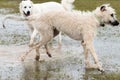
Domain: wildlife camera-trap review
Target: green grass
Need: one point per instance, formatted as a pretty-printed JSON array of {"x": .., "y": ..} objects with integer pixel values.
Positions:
[
  {"x": 112, "y": 76},
  {"x": 92, "y": 4},
  {"x": 79, "y": 4}
]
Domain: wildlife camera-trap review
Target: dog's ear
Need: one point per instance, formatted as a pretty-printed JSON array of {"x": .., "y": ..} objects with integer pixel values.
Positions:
[{"x": 103, "y": 8}]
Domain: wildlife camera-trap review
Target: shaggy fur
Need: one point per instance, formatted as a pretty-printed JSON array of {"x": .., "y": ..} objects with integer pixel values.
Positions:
[
  {"x": 77, "y": 25},
  {"x": 28, "y": 8}
]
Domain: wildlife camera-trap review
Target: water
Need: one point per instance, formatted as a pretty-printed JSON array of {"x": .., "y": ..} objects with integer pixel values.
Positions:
[{"x": 66, "y": 64}]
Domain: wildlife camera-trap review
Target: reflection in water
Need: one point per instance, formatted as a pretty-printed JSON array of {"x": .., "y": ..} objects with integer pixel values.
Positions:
[
  {"x": 51, "y": 70},
  {"x": 33, "y": 71},
  {"x": 65, "y": 69},
  {"x": 88, "y": 74}
]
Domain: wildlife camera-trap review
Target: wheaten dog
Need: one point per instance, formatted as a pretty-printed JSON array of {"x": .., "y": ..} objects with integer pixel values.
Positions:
[
  {"x": 77, "y": 25},
  {"x": 28, "y": 8}
]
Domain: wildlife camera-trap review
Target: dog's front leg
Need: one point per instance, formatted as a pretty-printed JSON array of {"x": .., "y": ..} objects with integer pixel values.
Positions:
[
  {"x": 90, "y": 47},
  {"x": 33, "y": 37},
  {"x": 87, "y": 62}
]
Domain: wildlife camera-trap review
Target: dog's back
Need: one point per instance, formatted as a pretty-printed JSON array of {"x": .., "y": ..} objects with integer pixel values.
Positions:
[{"x": 46, "y": 7}]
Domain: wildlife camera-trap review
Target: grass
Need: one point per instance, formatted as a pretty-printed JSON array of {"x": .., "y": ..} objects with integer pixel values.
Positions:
[
  {"x": 91, "y": 5},
  {"x": 79, "y": 4},
  {"x": 112, "y": 76}
]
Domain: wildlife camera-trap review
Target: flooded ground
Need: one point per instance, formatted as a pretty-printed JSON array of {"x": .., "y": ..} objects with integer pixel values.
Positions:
[{"x": 65, "y": 64}]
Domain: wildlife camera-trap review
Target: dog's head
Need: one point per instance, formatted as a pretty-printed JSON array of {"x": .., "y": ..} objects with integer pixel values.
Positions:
[
  {"x": 26, "y": 7},
  {"x": 107, "y": 15}
]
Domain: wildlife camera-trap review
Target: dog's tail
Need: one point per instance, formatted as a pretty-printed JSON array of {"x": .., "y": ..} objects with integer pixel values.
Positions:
[
  {"x": 68, "y": 4},
  {"x": 11, "y": 17}
]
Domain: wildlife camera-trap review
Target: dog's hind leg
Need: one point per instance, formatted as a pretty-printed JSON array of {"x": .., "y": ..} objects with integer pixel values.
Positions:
[
  {"x": 44, "y": 41},
  {"x": 46, "y": 33},
  {"x": 41, "y": 43},
  {"x": 47, "y": 51},
  {"x": 38, "y": 53}
]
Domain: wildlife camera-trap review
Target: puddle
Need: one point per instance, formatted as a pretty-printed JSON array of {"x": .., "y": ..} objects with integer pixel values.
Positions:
[{"x": 65, "y": 65}]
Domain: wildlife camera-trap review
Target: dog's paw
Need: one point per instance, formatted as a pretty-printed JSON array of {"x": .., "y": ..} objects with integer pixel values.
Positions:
[
  {"x": 49, "y": 55},
  {"x": 101, "y": 70},
  {"x": 37, "y": 58}
]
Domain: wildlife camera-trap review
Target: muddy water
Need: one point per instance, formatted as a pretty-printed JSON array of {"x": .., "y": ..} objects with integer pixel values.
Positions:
[{"x": 65, "y": 64}]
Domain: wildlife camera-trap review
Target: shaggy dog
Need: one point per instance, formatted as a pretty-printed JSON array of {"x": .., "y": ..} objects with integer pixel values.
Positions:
[
  {"x": 78, "y": 25},
  {"x": 28, "y": 8}
]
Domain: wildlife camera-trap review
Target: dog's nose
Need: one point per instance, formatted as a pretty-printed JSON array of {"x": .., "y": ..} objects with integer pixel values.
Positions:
[
  {"x": 117, "y": 23},
  {"x": 28, "y": 12}
]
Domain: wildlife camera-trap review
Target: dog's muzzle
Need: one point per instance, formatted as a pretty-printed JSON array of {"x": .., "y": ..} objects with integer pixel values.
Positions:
[
  {"x": 115, "y": 23},
  {"x": 102, "y": 24},
  {"x": 27, "y": 14}
]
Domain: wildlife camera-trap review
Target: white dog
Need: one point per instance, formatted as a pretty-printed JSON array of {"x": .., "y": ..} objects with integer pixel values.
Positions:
[
  {"x": 77, "y": 25},
  {"x": 28, "y": 8}
]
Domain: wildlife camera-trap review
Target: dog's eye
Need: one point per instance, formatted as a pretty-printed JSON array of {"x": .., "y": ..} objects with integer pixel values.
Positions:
[
  {"x": 30, "y": 7},
  {"x": 112, "y": 15},
  {"x": 25, "y": 7}
]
